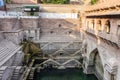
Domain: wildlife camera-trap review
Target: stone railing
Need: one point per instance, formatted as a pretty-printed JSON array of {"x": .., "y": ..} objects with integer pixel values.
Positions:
[{"x": 111, "y": 37}]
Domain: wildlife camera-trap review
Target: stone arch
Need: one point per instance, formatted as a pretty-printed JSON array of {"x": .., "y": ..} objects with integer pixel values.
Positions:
[
  {"x": 49, "y": 62},
  {"x": 74, "y": 62},
  {"x": 96, "y": 64},
  {"x": 107, "y": 26}
]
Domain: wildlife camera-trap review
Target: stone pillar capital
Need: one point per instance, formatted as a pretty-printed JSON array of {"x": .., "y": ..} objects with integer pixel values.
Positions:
[{"x": 111, "y": 66}]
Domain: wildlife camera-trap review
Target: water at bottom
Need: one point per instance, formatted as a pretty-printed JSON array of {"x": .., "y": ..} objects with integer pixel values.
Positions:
[{"x": 63, "y": 74}]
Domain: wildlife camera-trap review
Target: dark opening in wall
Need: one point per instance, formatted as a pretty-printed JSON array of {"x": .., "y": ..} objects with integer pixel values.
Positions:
[
  {"x": 107, "y": 26},
  {"x": 51, "y": 32},
  {"x": 61, "y": 54},
  {"x": 32, "y": 13},
  {"x": 59, "y": 25},
  {"x": 70, "y": 32}
]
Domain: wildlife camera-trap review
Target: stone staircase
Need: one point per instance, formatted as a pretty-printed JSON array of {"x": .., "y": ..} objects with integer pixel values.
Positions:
[
  {"x": 16, "y": 73},
  {"x": 6, "y": 72},
  {"x": 18, "y": 58},
  {"x": 2, "y": 69},
  {"x": 31, "y": 75},
  {"x": 7, "y": 50},
  {"x": 13, "y": 72}
]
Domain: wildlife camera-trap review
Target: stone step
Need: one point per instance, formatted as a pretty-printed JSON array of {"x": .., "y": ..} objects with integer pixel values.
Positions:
[
  {"x": 2, "y": 69},
  {"x": 4, "y": 55},
  {"x": 16, "y": 73}
]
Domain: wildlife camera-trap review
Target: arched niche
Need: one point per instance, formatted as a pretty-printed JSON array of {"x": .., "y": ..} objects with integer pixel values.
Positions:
[{"x": 107, "y": 26}]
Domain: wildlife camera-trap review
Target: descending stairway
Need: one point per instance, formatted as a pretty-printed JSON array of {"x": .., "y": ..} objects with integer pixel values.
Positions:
[
  {"x": 7, "y": 50},
  {"x": 12, "y": 72},
  {"x": 2, "y": 69},
  {"x": 16, "y": 72}
]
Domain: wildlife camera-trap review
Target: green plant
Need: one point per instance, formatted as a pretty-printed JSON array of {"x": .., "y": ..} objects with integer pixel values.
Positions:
[
  {"x": 93, "y": 2},
  {"x": 30, "y": 49},
  {"x": 8, "y": 1},
  {"x": 56, "y": 1}
]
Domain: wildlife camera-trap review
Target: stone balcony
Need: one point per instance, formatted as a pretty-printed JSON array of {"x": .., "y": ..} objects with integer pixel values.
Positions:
[{"x": 111, "y": 37}]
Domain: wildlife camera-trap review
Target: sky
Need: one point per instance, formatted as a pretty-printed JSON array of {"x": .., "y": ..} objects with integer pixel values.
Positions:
[{"x": 1, "y": 2}]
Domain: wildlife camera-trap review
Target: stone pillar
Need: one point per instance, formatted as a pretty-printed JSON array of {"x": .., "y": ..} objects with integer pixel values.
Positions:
[
  {"x": 95, "y": 25},
  {"x": 87, "y": 68},
  {"x": 110, "y": 69},
  {"x": 38, "y": 34}
]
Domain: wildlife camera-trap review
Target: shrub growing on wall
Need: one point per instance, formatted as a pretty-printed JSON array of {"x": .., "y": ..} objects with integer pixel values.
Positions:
[
  {"x": 93, "y": 2},
  {"x": 8, "y": 1},
  {"x": 30, "y": 49},
  {"x": 56, "y": 1}
]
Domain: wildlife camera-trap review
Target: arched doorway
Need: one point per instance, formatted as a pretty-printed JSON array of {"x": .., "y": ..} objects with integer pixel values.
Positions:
[{"x": 96, "y": 62}]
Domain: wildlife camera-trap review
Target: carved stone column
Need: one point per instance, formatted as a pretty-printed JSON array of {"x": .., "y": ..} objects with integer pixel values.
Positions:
[{"x": 111, "y": 69}]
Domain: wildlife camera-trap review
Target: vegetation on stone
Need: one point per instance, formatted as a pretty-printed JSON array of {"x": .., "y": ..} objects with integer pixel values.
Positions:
[
  {"x": 93, "y": 2},
  {"x": 8, "y": 1},
  {"x": 30, "y": 49}
]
